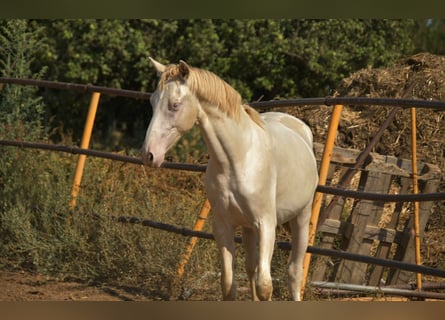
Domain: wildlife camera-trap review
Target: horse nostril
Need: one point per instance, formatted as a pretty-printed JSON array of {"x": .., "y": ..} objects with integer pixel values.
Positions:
[{"x": 150, "y": 157}]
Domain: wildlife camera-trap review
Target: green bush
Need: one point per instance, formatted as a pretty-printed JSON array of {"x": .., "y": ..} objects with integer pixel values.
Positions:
[{"x": 21, "y": 110}]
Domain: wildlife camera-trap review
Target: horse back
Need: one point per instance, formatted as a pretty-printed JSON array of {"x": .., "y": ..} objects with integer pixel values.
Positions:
[{"x": 292, "y": 123}]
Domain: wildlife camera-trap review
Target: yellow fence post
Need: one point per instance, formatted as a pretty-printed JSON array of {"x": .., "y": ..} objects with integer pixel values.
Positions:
[
  {"x": 415, "y": 191},
  {"x": 324, "y": 168},
  {"x": 199, "y": 224},
  {"x": 85, "y": 142}
]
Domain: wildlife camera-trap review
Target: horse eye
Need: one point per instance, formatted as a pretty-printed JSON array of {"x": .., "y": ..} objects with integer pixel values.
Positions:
[{"x": 174, "y": 106}]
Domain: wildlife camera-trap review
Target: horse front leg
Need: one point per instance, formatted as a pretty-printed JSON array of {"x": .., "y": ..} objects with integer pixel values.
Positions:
[
  {"x": 250, "y": 246},
  {"x": 266, "y": 233},
  {"x": 224, "y": 236}
]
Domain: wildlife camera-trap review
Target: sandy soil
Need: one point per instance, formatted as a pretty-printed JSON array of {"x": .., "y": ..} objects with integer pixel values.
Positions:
[{"x": 23, "y": 286}]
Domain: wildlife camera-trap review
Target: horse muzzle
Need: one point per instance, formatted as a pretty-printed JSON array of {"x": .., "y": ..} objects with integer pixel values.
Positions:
[{"x": 149, "y": 159}]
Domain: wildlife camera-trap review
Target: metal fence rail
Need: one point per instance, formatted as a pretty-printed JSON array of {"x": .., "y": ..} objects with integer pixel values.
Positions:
[
  {"x": 437, "y": 196},
  {"x": 328, "y": 101},
  {"x": 85, "y": 88},
  {"x": 287, "y": 246}
]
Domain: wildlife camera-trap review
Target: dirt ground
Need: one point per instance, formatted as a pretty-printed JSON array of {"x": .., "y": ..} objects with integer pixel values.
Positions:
[
  {"x": 421, "y": 76},
  {"x": 24, "y": 286}
]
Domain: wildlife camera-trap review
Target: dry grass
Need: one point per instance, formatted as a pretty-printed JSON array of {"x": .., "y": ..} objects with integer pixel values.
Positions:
[{"x": 40, "y": 234}]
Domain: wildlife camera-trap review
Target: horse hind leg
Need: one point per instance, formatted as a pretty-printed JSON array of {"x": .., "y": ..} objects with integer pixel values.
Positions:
[
  {"x": 299, "y": 227},
  {"x": 251, "y": 249}
]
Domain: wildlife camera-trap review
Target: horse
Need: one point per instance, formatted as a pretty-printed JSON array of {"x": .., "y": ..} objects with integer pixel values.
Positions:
[{"x": 261, "y": 171}]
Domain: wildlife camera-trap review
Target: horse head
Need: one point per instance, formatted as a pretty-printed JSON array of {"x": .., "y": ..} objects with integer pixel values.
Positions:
[{"x": 175, "y": 111}]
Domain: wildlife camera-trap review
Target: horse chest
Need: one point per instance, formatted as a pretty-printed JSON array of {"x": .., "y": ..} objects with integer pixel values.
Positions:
[{"x": 235, "y": 201}]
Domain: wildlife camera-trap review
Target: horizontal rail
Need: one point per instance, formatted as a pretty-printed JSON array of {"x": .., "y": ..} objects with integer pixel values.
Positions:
[
  {"x": 437, "y": 196},
  {"x": 100, "y": 154},
  {"x": 202, "y": 168},
  {"x": 319, "y": 251},
  {"x": 287, "y": 246},
  {"x": 376, "y": 290},
  {"x": 328, "y": 101},
  {"x": 78, "y": 87}
]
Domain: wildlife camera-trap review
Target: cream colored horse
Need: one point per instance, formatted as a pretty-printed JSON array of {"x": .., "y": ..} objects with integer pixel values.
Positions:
[{"x": 262, "y": 171}]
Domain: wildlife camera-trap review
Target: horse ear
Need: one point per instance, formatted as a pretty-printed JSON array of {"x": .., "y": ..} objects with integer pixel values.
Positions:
[
  {"x": 184, "y": 69},
  {"x": 160, "y": 68}
]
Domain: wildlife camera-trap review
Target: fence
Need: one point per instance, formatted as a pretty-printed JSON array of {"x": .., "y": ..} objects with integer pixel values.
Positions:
[
  {"x": 372, "y": 227},
  {"x": 362, "y": 230}
]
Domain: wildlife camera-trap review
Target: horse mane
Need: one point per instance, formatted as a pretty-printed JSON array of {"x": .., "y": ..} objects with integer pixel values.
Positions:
[{"x": 210, "y": 88}]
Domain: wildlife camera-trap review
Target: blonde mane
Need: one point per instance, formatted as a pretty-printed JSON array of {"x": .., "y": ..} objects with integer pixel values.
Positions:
[{"x": 210, "y": 88}]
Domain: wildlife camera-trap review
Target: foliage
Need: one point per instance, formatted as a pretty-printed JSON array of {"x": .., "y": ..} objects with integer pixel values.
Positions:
[
  {"x": 21, "y": 109},
  {"x": 430, "y": 36},
  {"x": 262, "y": 58},
  {"x": 327, "y": 51},
  {"x": 115, "y": 52}
]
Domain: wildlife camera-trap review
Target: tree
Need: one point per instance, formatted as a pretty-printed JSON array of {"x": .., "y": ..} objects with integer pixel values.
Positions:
[
  {"x": 21, "y": 109},
  {"x": 262, "y": 58},
  {"x": 431, "y": 36}
]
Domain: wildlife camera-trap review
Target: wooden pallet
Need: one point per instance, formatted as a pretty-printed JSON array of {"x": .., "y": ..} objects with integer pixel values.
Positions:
[{"x": 371, "y": 227}]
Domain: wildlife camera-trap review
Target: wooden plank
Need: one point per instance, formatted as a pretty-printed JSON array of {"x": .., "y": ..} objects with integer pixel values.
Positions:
[
  {"x": 407, "y": 253},
  {"x": 385, "y": 235},
  {"x": 339, "y": 155},
  {"x": 377, "y": 162},
  {"x": 329, "y": 234},
  {"x": 379, "y": 274},
  {"x": 330, "y": 226},
  {"x": 376, "y": 273},
  {"x": 364, "y": 213},
  {"x": 401, "y": 248}
]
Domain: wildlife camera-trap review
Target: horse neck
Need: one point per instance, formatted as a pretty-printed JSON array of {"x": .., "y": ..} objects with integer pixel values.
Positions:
[{"x": 227, "y": 139}]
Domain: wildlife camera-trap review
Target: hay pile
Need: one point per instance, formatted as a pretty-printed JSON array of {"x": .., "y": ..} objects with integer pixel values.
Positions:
[
  {"x": 426, "y": 71},
  {"x": 421, "y": 76}
]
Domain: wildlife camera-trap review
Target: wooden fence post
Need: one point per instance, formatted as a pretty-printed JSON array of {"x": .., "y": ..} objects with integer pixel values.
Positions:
[
  {"x": 199, "y": 224},
  {"x": 324, "y": 168},
  {"x": 415, "y": 191},
  {"x": 85, "y": 142}
]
